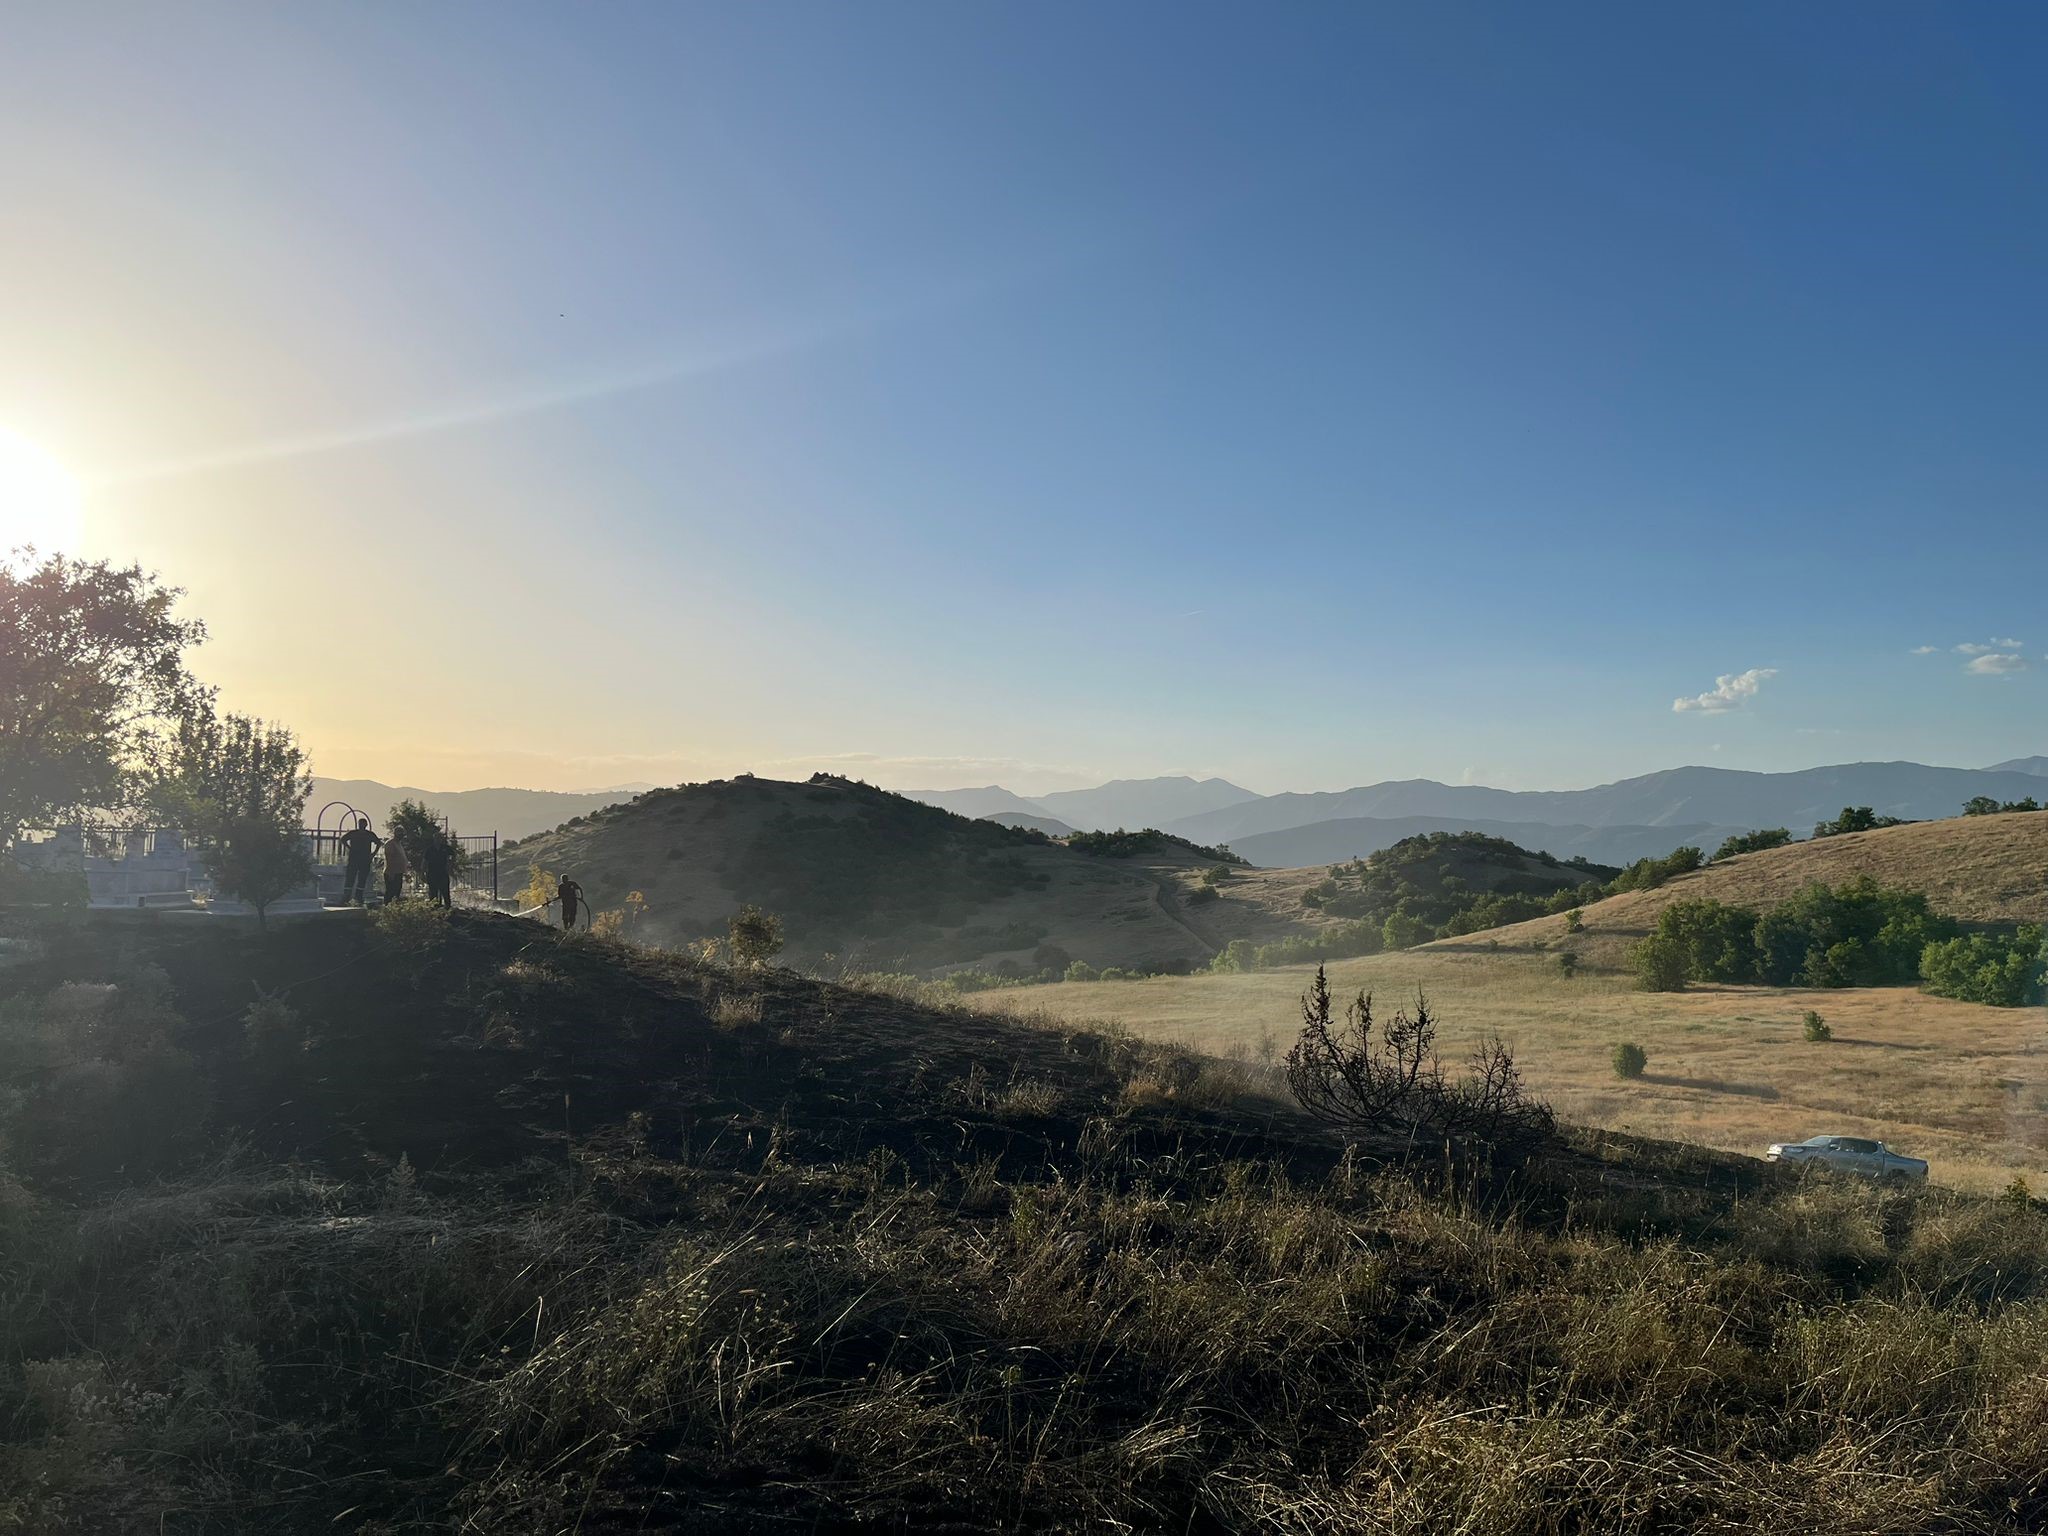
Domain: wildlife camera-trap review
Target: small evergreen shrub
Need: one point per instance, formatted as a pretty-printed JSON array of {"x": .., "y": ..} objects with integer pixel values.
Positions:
[
  {"x": 1629, "y": 1060},
  {"x": 1816, "y": 1027}
]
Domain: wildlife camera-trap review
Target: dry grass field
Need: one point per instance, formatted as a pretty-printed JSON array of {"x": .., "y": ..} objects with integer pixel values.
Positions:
[
  {"x": 1987, "y": 869},
  {"x": 1964, "y": 1086}
]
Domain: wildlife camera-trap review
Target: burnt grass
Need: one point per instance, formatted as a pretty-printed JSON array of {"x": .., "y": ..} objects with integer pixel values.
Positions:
[{"x": 490, "y": 1228}]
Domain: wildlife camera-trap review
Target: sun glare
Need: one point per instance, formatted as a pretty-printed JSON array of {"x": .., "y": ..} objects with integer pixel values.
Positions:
[{"x": 38, "y": 499}]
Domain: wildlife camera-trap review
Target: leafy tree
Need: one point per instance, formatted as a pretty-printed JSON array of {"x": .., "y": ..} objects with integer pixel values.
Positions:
[
  {"x": 1855, "y": 818},
  {"x": 540, "y": 888},
  {"x": 1630, "y": 1059},
  {"x": 92, "y": 674},
  {"x": 2002, "y": 970},
  {"x": 1403, "y": 930},
  {"x": 1984, "y": 805},
  {"x": 238, "y": 788},
  {"x": 418, "y": 829},
  {"x": 755, "y": 936},
  {"x": 1752, "y": 842},
  {"x": 1568, "y": 964},
  {"x": 1574, "y": 920}
]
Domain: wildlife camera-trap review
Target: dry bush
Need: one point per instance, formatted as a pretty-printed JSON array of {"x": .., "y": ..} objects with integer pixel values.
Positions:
[
  {"x": 414, "y": 926},
  {"x": 730, "y": 1010},
  {"x": 1386, "y": 1077}
]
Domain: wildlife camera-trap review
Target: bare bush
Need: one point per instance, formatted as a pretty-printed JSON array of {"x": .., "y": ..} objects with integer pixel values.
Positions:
[{"x": 1387, "y": 1077}]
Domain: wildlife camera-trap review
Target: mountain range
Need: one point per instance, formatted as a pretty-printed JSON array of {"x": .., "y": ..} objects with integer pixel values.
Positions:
[
  {"x": 508, "y": 812},
  {"x": 1608, "y": 823}
]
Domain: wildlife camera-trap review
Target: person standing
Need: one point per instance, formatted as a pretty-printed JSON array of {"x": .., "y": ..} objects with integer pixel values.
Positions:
[
  {"x": 439, "y": 859},
  {"x": 570, "y": 895},
  {"x": 359, "y": 843},
  {"x": 394, "y": 869}
]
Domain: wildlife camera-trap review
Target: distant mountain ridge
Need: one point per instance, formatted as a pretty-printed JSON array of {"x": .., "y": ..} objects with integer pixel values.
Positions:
[
  {"x": 1674, "y": 797},
  {"x": 2037, "y": 766},
  {"x": 1132, "y": 804},
  {"x": 508, "y": 812}
]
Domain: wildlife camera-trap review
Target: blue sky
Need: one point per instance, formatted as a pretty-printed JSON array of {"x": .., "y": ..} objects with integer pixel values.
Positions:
[{"x": 1043, "y": 393}]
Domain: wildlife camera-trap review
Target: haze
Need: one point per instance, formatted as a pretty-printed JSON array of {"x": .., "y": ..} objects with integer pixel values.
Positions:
[{"x": 568, "y": 396}]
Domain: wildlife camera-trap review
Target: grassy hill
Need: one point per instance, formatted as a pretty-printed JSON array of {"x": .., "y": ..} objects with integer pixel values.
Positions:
[
  {"x": 1988, "y": 869},
  {"x": 883, "y": 881},
  {"x": 475, "y": 1226}
]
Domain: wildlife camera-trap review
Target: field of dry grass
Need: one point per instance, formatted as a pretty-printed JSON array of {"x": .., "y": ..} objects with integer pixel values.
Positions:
[
  {"x": 1964, "y": 1086},
  {"x": 1987, "y": 869}
]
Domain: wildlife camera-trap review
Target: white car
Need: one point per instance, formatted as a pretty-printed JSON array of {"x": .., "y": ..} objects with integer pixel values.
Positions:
[{"x": 1848, "y": 1154}]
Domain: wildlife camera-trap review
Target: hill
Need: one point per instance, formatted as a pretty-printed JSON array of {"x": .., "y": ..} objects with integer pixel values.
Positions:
[
  {"x": 1326, "y": 842},
  {"x": 511, "y": 813},
  {"x": 475, "y": 1226},
  {"x": 1988, "y": 869},
  {"x": 1718, "y": 797},
  {"x": 875, "y": 879},
  {"x": 2037, "y": 766}
]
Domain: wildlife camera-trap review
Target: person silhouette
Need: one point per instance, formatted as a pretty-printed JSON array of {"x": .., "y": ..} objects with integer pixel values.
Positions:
[
  {"x": 359, "y": 843},
  {"x": 439, "y": 860},
  {"x": 395, "y": 868},
  {"x": 570, "y": 895}
]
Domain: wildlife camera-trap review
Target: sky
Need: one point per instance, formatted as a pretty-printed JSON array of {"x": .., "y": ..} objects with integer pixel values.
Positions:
[{"x": 1038, "y": 394}]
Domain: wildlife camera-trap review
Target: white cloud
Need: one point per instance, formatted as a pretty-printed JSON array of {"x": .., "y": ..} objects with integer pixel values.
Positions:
[
  {"x": 1925, "y": 650},
  {"x": 1977, "y": 648},
  {"x": 1997, "y": 664},
  {"x": 1730, "y": 691}
]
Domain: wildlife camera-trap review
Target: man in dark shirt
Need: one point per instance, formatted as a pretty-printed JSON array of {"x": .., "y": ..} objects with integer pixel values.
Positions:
[
  {"x": 570, "y": 895},
  {"x": 359, "y": 844}
]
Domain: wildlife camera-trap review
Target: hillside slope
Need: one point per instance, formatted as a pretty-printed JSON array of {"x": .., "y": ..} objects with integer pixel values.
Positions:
[
  {"x": 1988, "y": 869},
  {"x": 875, "y": 879},
  {"x": 482, "y": 1227}
]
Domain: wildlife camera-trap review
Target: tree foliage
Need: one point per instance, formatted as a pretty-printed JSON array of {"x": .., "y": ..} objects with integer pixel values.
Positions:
[
  {"x": 1752, "y": 842},
  {"x": 238, "y": 788},
  {"x": 2002, "y": 970},
  {"x": 418, "y": 829},
  {"x": 1855, "y": 818},
  {"x": 92, "y": 673}
]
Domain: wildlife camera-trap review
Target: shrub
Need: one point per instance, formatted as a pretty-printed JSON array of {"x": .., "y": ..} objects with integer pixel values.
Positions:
[
  {"x": 1372, "y": 1076},
  {"x": 1816, "y": 1027},
  {"x": 1568, "y": 964},
  {"x": 1237, "y": 955},
  {"x": 1080, "y": 970},
  {"x": 1629, "y": 1060},
  {"x": 414, "y": 925},
  {"x": 1200, "y": 894},
  {"x": 1574, "y": 920},
  {"x": 2002, "y": 970},
  {"x": 1403, "y": 931},
  {"x": 755, "y": 936},
  {"x": 1659, "y": 964},
  {"x": 271, "y": 1027}
]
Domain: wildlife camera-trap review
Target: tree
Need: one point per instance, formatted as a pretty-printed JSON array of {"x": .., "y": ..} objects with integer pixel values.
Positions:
[
  {"x": 92, "y": 672},
  {"x": 1660, "y": 963},
  {"x": 1752, "y": 842},
  {"x": 418, "y": 828},
  {"x": 1855, "y": 818},
  {"x": 238, "y": 788},
  {"x": 1980, "y": 805},
  {"x": 1630, "y": 1059}
]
